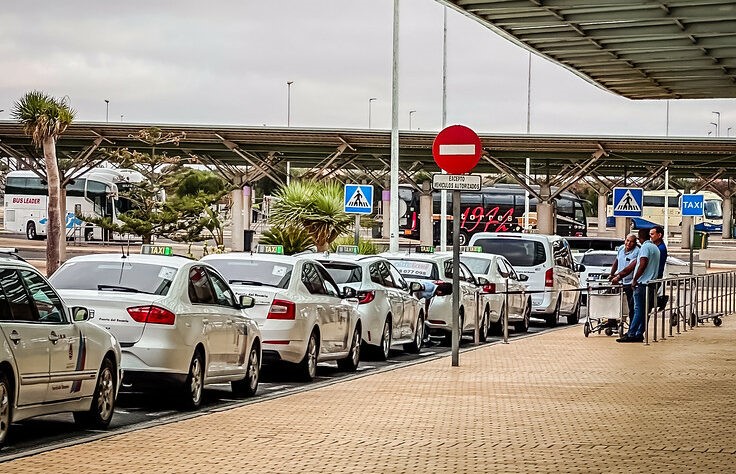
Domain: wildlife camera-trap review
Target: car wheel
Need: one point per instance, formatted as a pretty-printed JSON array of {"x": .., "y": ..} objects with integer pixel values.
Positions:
[
  {"x": 574, "y": 318},
  {"x": 552, "y": 319},
  {"x": 31, "y": 231},
  {"x": 6, "y": 407},
  {"x": 308, "y": 365},
  {"x": 103, "y": 401},
  {"x": 483, "y": 330},
  {"x": 497, "y": 327},
  {"x": 194, "y": 385},
  {"x": 350, "y": 363},
  {"x": 416, "y": 345},
  {"x": 385, "y": 346},
  {"x": 463, "y": 238},
  {"x": 249, "y": 385},
  {"x": 524, "y": 325}
]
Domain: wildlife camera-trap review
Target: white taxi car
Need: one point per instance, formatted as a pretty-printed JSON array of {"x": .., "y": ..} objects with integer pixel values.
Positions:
[
  {"x": 303, "y": 316},
  {"x": 177, "y": 321},
  {"x": 495, "y": 302},
  {"x": 390, "y": 311},
  {"x": 51, "y": 359},
  {"x": 434, "y": 271}
]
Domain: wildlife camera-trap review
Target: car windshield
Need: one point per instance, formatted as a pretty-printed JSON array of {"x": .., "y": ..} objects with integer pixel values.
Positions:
[
  {"x": 416, "y": 269},
  {"x": 344, "y": 272},
  {"x": 598, "y": 259},
  {"x": 124, "y": 275},
  {"x": 479, "y": 266},
  {"x": 521, "y": 253},
  {"x": 254, "y": 272}
]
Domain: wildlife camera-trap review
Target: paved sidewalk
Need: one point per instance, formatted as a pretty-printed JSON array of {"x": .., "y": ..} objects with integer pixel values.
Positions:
[{"x": 556, "y": 402}]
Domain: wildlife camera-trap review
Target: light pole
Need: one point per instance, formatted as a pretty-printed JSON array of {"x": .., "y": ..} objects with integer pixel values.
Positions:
[
  {"x": 107, "y": 110},
  {"x": 718, "y": 124},
  {"x": 411, "y": 112},
  {"x": 288, "y": 103},
  {"x": 370, "y": 101}
]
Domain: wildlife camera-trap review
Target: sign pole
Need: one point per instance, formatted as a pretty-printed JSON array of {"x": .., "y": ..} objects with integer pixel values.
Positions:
[
  {"x": 692, "y": 242},
  {"x": 456, "y": 330},
  {"x": 357, "y": 230}
]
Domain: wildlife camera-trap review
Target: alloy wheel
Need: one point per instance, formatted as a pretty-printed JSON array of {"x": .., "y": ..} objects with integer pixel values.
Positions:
[
  {"x": 195, "y": 388},
  {"x": 4, "y": 410},
  {"x": 106, "y": 398}
]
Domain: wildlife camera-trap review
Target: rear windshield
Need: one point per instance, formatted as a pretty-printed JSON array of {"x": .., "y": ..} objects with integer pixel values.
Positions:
[
  {"x": 479, "y": 266},
  {"x": 598, "y": 260},
  {"x": 254, "y": 272},
  {"x": 344, "y": 272},
  {"x": 416, "y": 269},
  {"x": 124, "y": 276},
  {"x": 519, "y": 253}
]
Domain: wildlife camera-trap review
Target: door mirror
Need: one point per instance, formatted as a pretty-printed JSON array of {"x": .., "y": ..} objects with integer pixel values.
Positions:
[
  {"x": 349, "y": 292},
  {"x": 579, "y": 267},
  {"x": 523, "y": 277},
  {"x": 482, "y": 281},
  {"x": 81, "y": 314},
  {"x": 246, "y": 302},
  {"x": 415, "y": 286},
  {"x": 443, "y": 289}
]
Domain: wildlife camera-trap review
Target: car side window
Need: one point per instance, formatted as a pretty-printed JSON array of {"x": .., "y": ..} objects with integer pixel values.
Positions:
[
  {"x": 223, "y": 294},
  {"x": 329, "y": 284},
  {"x": 47, "y": 303},
  {"x": 17, "y": 301},
  {"x": 386, "y": 275},
  {"x": 398, "y": 279},
  {"x": 375, "y": 274},
  {"x": 503, "y": 271},
  {"x": 312, "y": 280},
  {"x": 200, "y": 290},
  {"x": 466, "y": 274}
]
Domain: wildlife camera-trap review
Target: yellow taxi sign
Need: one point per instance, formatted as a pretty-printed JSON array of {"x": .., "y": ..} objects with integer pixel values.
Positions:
[
  {"x": 474, "y": 248},
  {"x": 272, "y": 249},
  {"x": 424, "y": 249},
  {"x": 164, "y": 250},
  {"x": 353, "y": 249}
]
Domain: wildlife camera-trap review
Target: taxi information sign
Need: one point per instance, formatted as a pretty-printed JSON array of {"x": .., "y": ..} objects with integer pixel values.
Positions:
[
  {"x": 165, "y": 250},
  {"x": 353, "y": 249},
  {"x": 424, "y": 249},
  {"x": 272, "y": 249},
  {"x": 474, "y": 248}
]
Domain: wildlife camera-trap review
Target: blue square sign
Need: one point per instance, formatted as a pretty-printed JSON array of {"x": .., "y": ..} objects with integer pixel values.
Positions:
[
  {"x": 692, "y": 205},
  {"x": 358, "y": 199},
  {"x": 628, "y": 202}
]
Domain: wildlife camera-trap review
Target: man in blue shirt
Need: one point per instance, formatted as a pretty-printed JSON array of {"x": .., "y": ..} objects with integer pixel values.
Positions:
[
  {"x": 622, "y": 270},
  {"x": 647, "y": 266},
  {"x": 657, "y": 235}
]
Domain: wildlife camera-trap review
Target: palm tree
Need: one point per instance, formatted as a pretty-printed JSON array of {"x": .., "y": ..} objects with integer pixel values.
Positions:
[
  {"x": 316, "y": 206},
  {"x": 44, "y": 119}
]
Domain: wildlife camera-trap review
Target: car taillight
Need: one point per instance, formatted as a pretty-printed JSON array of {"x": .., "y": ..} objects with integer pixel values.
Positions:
[
  {"x": 282, "y": 309},
  {"x": 152, "y": 314},
  {"x": 366, "y": 296},
  {"x": 489, "y": 288},
  {"x": 549, "y": 280}
]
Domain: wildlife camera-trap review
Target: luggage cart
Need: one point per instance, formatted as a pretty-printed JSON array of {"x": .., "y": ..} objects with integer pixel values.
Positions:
[{"x": 607, "y": 309}]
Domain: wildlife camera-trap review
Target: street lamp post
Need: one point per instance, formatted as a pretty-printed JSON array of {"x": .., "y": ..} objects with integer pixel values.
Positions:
[
  {"x": 288, "y": 103},
  {"x": 107, "y": 110},
  {"x": 718, "y": 124},
  {"x": 411, "y": 112},
  {"x": 370, "y": 101}
]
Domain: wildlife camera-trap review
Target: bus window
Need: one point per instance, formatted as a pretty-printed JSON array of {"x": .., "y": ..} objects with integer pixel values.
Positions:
[
  {"x": 579, "y": 213},
  {"x": 75, "y": 188},
  {"x": 97, "y": 193}
]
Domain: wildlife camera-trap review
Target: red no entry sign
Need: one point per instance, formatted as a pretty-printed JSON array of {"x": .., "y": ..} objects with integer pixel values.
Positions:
[{"x": 457, "y": 149}]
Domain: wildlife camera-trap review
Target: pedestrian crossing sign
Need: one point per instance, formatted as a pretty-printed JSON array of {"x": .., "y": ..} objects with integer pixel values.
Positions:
[
  {"x": 358, "y": 199},
  {"x": 628, "y": 202}
]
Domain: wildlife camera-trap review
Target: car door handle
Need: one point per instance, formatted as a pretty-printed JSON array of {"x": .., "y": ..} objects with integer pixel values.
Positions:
[
  {"x": 14, "y": 336},
  {"x": 205, "y": 321},
  {"x": 53, "y": 337}
]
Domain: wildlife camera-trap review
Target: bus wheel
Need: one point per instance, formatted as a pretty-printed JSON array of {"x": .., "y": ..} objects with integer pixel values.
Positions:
[
  {"x": 88, "y": 234},
  {"x": 31, "y": 231},
  {"x": 463, "y": 238}
]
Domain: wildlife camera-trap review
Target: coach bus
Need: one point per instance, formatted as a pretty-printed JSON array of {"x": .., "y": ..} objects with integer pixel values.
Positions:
[
  {"x": 93, "y": 194},
  {"x": 499, "y": 208}
]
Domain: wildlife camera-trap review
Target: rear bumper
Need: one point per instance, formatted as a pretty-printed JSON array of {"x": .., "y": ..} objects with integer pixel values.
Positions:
[{"x": 144, "y": 380}]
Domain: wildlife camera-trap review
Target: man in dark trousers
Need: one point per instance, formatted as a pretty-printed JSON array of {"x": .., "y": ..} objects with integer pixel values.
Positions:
[
  {"x": 657, "y": 236},
  {"x": 647, "y": 266}
]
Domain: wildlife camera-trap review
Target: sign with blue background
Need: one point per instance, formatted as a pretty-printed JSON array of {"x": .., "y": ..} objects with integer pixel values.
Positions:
[
  {"x": 692, "y": 205},
  {"x": 628, "y": 202},
  {"x": 358, "y": 199}
]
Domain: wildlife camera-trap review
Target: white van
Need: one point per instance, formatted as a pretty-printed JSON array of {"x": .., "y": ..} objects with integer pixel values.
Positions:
[{"x": 546, "y": 259}]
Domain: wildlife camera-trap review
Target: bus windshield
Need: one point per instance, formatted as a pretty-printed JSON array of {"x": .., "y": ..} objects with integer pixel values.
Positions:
[{"x": 713, "y": 209}]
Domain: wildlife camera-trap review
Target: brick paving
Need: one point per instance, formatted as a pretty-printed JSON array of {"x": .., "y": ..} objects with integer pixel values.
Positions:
[{"x": 555, "y": 402}]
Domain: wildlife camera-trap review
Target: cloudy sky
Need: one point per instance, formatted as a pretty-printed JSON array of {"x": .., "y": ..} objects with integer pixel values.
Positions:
[{"x": 228, "y": 62}]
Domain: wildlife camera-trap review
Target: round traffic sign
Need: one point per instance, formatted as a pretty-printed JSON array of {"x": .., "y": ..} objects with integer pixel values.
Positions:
[{"x": 457, "y": 149}]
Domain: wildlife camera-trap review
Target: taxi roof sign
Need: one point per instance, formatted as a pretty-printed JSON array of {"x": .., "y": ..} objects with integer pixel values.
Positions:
[
  {"x": 424, "y": 249},
  {"x": 165, "y": 250},
  {"x": 272, "y": 249},
  {"x": 473, "y": 248},
  {"x": 353, "y": 249}
]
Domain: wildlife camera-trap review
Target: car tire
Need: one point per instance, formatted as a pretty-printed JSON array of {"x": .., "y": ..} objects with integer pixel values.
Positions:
[
  {"x": 6, "y": 407},
  {"x": 448, "y": 336},
  {"x": 193, "y": 389},
  {"x": 415, "y": 346},
  {"x": 483, "y": 329},
  {"x": 308, "y": 365},
  {"x": 350, "y": 363},
  {"x": 31, "y": 233},
  {"x": 497, "y": 327},
  {"x": 552, "y": 319},
  {"x": 523, "y": 326},
  {"x": 574, "y": 317},
  {"x": 385, "y": 347},
  {"x": 103, "y": 401},
  {"x": 248, "y": 386}
]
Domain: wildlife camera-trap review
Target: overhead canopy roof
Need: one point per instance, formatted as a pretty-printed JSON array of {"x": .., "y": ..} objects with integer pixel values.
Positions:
[{"x": 644, "y": 49}]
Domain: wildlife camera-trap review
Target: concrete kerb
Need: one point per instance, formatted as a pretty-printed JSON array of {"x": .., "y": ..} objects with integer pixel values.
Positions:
[{"x": 261, "y": 398}]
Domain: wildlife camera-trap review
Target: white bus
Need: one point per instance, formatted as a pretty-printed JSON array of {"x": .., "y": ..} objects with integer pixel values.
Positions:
[
  {"x": 653, "y": 212},
  {"x": 95, "y": 194}
]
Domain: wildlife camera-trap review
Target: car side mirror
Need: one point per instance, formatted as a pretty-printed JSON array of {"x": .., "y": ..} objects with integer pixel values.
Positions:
[
  {"x": 246, "y": 302},
  {"x": 81, "y": 314},
  {"x": 415, "y": 287},
  {"x": 482, "y": 281},
  {"x": 579, "y": 267},
  {"x": 349, "y": 292},
  {"x": 523, "y": 277}
]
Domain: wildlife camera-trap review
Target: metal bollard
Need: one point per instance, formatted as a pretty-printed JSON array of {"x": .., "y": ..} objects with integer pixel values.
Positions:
[
  {"x": 679, "y": 317},
  {"x": 654, "y": 333},
  {"x": 506, "y": 315},
  {"x": 646, "y": 314}
]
